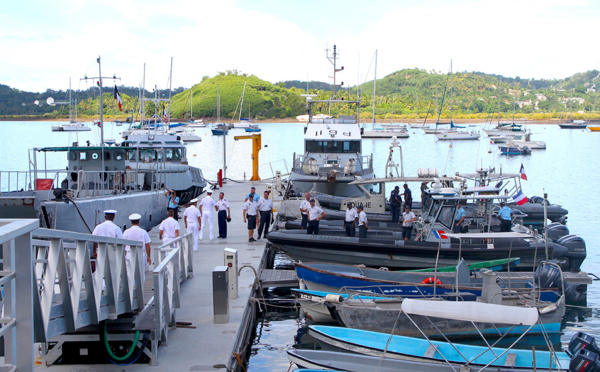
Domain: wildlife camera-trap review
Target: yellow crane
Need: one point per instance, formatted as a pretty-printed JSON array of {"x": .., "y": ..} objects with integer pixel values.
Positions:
[{"x": 256, "y": 145}]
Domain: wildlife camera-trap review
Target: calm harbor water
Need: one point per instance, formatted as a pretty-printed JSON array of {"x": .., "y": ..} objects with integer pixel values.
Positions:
[{"x": 566, "y": 170}]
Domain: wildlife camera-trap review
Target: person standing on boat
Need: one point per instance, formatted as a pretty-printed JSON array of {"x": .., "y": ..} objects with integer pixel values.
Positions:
[
  {"x": 250, "y": 215},
  {"x": 135, "y": 232},
  {"x": 424, "y": 188},
  {"x": 207, "y": 203},
  {"x": 459, "y": 218},
  {"x": 173, "y": 200},
  {"x": 169, "y": 228},
  {"x": 395, "y": 204},
  {"x": 107, "y": 228},
  {"x": 254, "y": 194},
  {"x": 351, "y": 220},
  {"x": 315, "y": 214},
  {"x": 265, "y": 207},
  {"x": 362, "y": 222},
  {"x": 407, "y": 197},
  {"x": 223, "y": 214},
  {"x": 193, "y": 221},
  {"x": 408, "y": 217},
  {"x": 505, "y": 216},
  {"x": 304, "y": 205}
]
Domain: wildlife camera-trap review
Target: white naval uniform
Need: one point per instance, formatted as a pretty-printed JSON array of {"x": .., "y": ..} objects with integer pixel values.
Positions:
[
  {"x": 208, "y": 205},
  {"x": 191, "y": 215},
  {"x": 137, "y": 233},
  {"x": 304, "y": 204},
  {"x": 108, "y": 229},
  {"x": 168, "y": 227}
]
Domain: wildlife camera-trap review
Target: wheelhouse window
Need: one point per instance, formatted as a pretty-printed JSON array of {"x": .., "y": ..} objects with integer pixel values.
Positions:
[
  {"x": 147, "y": 154},
  {"x": 446, "y": 215},
  {"x": 131, "y": 154},
  {"x": 83, "y": 156},
  {"x": 173, "y": 154},
  {"x": 336, "y": 147}
]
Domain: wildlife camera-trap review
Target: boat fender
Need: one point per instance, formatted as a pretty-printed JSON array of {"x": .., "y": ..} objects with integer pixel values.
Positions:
[
  {"x": 547, "y": 309},
  {"x": 334, "y": 299},
  {"x": 431, "y": 280}
]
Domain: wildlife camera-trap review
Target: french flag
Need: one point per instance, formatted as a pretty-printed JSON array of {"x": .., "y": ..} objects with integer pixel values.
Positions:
[
  {"x": 118, "y": 98},
  {"x": 520, "y": 198},
  {"x": 439, "y": 234},
  {"x": 522, "y": 171}
]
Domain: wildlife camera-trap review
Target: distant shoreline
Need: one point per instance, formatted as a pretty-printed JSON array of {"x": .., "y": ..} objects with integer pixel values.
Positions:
[{"x": 398, "y": 121}]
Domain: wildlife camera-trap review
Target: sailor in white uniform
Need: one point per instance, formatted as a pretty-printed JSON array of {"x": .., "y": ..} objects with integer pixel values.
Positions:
[
  {"x": 169, "y": 228},
  {"x": 193, "y": 221},
  {"x": 135, "y": 232},
  {"x": 208, "y": 204},
  {"x": 106, "y": 228}
]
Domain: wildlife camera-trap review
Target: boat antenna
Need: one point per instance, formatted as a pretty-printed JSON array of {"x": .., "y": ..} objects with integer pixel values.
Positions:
[
  {"x": 374, "y": 86},
  {"x": 333, "y": 60},
  {"x": 170, "y": 90},
  {"x": 100, "y": 77}
]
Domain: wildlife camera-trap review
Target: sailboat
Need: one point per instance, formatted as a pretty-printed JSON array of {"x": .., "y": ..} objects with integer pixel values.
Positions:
[
  {"x": 73, "y": 125},
  {"x": 573, "y": 124},
  {"x": 454, "y": 134}
]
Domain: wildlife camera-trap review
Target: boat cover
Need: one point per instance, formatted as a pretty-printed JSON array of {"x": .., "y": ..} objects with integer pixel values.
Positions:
[{"x": 473, "y": 311}]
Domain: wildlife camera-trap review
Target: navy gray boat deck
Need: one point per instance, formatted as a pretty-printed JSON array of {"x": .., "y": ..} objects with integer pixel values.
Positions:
[{"x": 208, "y": 345}]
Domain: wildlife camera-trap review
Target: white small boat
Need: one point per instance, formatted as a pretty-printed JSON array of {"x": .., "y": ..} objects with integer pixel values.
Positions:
[
  {"x": 71, "y": 127},
  {"x": 457, "y": 135},
  {"x": 386, "y": 132},
  {"x": 419, "y": 125}
]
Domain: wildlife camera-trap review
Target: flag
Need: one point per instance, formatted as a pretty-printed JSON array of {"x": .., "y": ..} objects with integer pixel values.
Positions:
[
  {"x": 523, "y": 175},
  {"x": 118, "y": 98},
  {"x": 520, "y": 198},
  {"x": 439, "y": 234}
]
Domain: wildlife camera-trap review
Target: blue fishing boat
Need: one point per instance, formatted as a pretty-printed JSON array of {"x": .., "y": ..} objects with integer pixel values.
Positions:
[
  {"x": 253, "y": 128},
  {"x": 429, "y": 353}
]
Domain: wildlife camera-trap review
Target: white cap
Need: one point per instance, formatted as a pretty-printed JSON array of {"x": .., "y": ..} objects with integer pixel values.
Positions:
[
  {"x": 110, "y": 211},
  {"x": 135, "y": 216},
  {"x": 195, "y": 200},
  {"x": 209, "y": 191}
]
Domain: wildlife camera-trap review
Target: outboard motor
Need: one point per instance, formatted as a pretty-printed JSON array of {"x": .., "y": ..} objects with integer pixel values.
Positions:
[
  {"x": 548, "y": 276},
  {"x": 576, "y": 293},
  {"x": 583, "y": 341},
  {"x": 538, "y": 200},
  {"x": 556, "y": 231},
  {"x": 576, "y": 251},
  {"x": 584, "y": 361}
]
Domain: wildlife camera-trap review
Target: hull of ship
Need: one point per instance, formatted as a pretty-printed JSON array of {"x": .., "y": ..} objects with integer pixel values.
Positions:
[{"x": 303, "y": 183}]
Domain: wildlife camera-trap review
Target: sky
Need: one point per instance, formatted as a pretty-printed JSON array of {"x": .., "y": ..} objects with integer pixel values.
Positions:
[{"x": 43, "y": 44}]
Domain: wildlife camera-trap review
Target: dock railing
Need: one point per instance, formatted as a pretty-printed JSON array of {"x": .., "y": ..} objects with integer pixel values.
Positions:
[
  {"x": 173, "y": 265},
  {"x": 16, "y": 279}
]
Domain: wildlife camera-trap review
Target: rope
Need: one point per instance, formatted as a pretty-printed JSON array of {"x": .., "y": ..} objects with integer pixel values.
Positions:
[{"x": 239, "y": 360}]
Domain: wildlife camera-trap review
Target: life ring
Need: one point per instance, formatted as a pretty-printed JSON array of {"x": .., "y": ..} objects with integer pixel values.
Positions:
[{"x": 431, "y": 280}]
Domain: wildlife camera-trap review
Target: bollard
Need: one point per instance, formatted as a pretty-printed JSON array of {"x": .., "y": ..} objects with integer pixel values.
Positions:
[{"x": 220, "y": 297}]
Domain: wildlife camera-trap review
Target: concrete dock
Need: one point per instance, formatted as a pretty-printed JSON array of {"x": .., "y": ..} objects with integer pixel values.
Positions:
[{"x": 208, "y": 346}]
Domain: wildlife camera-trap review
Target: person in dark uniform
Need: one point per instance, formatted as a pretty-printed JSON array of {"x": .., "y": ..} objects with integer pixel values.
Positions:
[
  {"x": 407, "y": 197},
  {"x": 395, "y": 204}
]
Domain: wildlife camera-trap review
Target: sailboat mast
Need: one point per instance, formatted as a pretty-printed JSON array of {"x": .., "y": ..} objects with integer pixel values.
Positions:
[
  {"x": 242, "y": 104},
  {"x": 191, "y": 105},
  {"x": 374, "y": 86},
  {"x": 101, "y": 111},
  {"x": 70, "y": 103},
  {"x": 142, "y": 94},
  {"x": 451, "y": 91},
  {"x": 392, "y": 118},
  {"x": 499, "y": 93},
  {"x": 170, "y": 89}
]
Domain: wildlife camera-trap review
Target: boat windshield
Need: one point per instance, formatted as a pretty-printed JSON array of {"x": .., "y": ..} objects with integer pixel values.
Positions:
[
  {"x": 173, "y": 154},
  {"x": 446, "y": 215},
  {"x": 336, "y": 147}
]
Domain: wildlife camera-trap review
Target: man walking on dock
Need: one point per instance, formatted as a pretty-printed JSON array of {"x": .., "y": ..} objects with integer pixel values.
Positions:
[
  {"x": 135, "y": 232},
  {"x": 315, "y": 214},
  {"x": 265, "y": 207},
  {"x": 304, "y": 205},
  {"x": 362, "y": 222},
  {"x": 350, "y": 220},
  {"x": 223, "y": 214},
  {"x": 207, "y": 203},
  {"x": 249, "y": 212},
  {"x": 169, "y": 228},
  {"x": 107, "y": 228},
  {"x": 193, "y": 221}
]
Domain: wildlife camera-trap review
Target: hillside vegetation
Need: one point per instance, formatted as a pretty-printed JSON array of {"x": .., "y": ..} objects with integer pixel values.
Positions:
[{"x": 475, "y": 95}]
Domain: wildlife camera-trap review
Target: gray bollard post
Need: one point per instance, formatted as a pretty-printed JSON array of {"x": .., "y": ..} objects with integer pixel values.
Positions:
[
  {"x": 230, "y": 257},
  {"x": 220, "y": 295}
]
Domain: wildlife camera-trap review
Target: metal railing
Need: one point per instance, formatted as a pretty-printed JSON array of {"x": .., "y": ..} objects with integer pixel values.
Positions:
[
  {"x": 173, "y": 265},
  {"x": 16, "y": 279}
]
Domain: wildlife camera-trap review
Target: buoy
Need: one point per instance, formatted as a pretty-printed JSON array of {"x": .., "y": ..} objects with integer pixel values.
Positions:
[
  {"x": 491, "y": 141},
  {"x": 194, "y": 154},
  {"x": 450, "y": 145},
  {"x": 489, "y": 151},
  {"x": 431, "y": 280}
]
